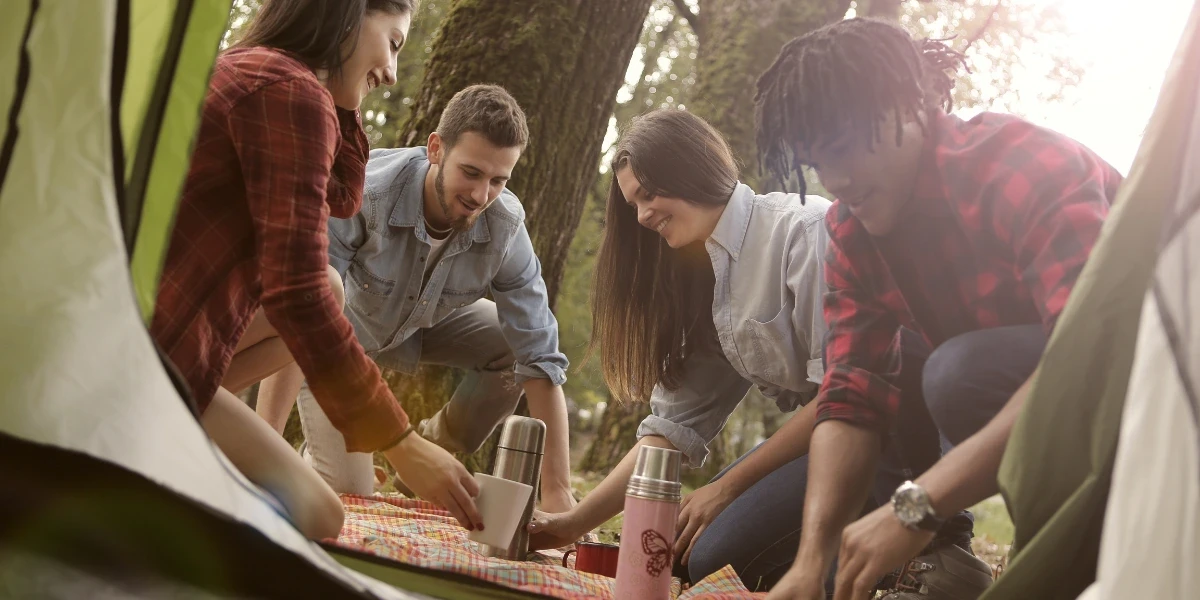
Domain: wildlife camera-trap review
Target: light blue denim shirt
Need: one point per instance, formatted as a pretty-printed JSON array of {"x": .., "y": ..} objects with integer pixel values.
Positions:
[
  {"x": 767, "y": 254},
  {"x": 381, "y": 253}
]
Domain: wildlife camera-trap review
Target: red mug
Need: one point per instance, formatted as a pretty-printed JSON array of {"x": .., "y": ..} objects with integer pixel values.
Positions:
[{"x": 595, "y": 557}]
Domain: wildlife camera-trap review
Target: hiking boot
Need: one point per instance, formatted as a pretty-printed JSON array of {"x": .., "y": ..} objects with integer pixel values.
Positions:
[{"x": 947, "y": 573}]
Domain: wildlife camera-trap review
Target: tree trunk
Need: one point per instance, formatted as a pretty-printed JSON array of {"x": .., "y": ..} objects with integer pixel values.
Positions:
[
  {"x": 738, "y": 41},
  {"x": 563, "y": 62},
  {"x": 614, "y": 437}
]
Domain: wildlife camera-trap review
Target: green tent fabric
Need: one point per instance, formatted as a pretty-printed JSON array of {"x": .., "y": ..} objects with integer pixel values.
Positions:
[
  {"x": 105, "y": 473},
  {"x": 172, "y": 46},
  {"x": 1057, "y": 467}
]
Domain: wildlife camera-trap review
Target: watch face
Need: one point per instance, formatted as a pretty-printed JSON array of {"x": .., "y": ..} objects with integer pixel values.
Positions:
[{"x": 908, "y": 505}]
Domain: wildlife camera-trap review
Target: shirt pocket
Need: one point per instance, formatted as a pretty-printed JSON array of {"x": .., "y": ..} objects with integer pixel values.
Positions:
[
  {"x": 452, "y": 300},
  {"x": 773, "y": 352},
  {"x": 366, "y": 293}
]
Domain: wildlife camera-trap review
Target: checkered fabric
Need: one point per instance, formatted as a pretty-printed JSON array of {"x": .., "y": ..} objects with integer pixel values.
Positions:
[{"x": 418, "y": 533}]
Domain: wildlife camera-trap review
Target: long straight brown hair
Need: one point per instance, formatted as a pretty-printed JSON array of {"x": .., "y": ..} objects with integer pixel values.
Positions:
[
  {"x": 650, "y": 302},
  {"x": 317, "y": 31}
]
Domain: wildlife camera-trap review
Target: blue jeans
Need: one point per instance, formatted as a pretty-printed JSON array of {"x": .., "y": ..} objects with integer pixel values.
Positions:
[{"x": 949, "y": 395}]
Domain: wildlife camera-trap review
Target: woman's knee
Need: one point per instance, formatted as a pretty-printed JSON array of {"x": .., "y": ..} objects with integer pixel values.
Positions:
[
  {"x": 336, "y": 286},
  {"x": 706, "y": 558}
]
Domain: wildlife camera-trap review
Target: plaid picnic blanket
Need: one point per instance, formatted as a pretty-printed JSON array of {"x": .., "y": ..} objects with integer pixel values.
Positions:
[{"x": 418, "y": 533}]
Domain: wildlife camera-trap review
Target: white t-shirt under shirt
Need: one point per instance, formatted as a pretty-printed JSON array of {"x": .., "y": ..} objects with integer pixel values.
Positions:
[{"x": 435, "y": 252}]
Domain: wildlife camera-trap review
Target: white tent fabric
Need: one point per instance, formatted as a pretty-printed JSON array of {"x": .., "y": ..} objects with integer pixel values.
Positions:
[
  {"x": 79, "y": 370},
  {"x": 1150, "y": 546}
]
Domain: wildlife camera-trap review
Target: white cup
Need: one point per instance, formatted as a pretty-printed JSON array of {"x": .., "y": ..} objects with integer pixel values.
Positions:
[{"x": 501, "y": 503}]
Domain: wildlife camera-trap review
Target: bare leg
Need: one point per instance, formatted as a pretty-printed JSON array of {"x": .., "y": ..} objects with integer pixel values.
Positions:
[
  {"x": 277, "y": 396},
  {"x": 268, "y": 461}
]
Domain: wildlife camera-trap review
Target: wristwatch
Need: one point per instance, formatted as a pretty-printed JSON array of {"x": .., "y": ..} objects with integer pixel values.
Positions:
[{"x": 914, "y": 509}]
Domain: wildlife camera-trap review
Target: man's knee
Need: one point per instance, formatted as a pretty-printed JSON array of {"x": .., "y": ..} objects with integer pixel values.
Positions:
[
  {"x": 336, "y": 286},
  {"x": 969, "y": 378}
]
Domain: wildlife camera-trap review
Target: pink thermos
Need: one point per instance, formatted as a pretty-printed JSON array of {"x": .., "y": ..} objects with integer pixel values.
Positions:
[{"x": 648, "y": 535}]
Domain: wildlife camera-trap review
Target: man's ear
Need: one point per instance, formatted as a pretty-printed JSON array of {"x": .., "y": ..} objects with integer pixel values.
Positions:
[{"x": 435, "y": 148}]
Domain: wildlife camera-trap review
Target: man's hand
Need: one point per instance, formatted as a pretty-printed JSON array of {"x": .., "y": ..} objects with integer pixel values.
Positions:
[
  {"x": 696, "y": 513},
  {"x": 553, "y": 530},
  {"x": 435, "y": 475},
  {"x": 872, "y": 547},
  {"x": 799, "y": 584},
  {"x": 557, "y": 499}
]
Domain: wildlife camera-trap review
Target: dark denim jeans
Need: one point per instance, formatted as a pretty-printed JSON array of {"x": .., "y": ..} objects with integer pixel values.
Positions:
[{"x": 948, "y": 395}]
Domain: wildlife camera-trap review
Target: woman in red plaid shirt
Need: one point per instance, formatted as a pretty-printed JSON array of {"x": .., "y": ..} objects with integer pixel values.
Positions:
[
  {"x": 246, "y": 287},
  {"x": 954, "y": 245}
]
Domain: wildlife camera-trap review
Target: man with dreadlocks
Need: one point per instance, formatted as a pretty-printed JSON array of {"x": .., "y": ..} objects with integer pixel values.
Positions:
[{"x": 953, "y": 248}]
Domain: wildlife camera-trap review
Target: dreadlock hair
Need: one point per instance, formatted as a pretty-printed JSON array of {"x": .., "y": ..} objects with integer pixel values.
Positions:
[{"x": 848, "y": 74}]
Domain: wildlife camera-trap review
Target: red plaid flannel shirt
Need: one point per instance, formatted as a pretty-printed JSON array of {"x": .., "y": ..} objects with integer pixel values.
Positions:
[
  {"x": 1002, "y": 219},
  {"x": 274, "y": 158}
]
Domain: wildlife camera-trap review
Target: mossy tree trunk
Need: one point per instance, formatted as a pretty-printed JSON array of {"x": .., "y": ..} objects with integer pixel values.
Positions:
[
  {"x": 738, "y": 41},
  {"x": 564, "y": 62},
  {"x": 614, "y": 436}
]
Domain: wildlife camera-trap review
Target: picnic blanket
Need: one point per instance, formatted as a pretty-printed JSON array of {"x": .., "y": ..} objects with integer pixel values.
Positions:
[{"x": 418, "y": 533}]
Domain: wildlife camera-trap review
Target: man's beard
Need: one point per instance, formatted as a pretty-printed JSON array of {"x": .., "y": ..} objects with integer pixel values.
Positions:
[{"x": 439, "y": 188}]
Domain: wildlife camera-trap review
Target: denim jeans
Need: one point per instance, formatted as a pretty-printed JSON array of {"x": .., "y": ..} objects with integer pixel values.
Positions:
[{"x": 948, "y": 395}]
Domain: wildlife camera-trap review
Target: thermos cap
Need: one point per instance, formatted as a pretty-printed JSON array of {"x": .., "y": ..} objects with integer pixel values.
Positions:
[
  {"x": 524, "y": 434},
  {"x": 656, "y": 473}
]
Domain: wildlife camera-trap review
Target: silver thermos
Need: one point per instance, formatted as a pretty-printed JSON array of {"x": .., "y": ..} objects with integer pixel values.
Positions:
[{"x": 519, "y": 458}]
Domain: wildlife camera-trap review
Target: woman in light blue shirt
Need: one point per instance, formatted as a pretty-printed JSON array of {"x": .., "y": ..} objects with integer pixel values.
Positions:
[{"x": 704, "y": 289}]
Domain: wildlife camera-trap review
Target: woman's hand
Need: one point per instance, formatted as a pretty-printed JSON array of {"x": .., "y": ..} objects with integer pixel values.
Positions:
[{"x": 697, "y": 512}]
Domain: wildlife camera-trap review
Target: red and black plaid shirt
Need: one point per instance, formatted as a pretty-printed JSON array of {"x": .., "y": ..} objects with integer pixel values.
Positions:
[
  {"x": 273, "y": 159},
  {"x": 1001, "y": 221}
]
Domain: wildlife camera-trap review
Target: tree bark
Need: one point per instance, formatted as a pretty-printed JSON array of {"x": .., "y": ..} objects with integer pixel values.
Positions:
[
  {"x": 563, "y": 61},
  {"x": 738, "y": 41},
  {"x": 614, "y": 436}
]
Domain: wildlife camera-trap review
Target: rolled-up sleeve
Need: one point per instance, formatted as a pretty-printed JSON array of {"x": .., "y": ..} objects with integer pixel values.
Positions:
[
  {"x": 523, "y": 308},
  {"x": 861, "y": 350},
  {"x": 692, "y": 416}
]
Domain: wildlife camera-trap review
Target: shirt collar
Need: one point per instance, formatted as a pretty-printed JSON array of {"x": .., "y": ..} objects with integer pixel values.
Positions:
[{"x": 730, "y": 232}]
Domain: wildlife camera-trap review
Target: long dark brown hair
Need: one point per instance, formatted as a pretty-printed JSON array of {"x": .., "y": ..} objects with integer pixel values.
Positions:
[
  {"x": 651, "y": 303},
  {"x": 318, "y": 32}
]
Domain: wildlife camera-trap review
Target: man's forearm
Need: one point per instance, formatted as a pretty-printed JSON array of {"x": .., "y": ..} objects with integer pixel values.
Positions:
[
  {"x": 967, "y": 474},
  {"x": 841, "y": 467},
  {"x": 547, "y": 402},
  {"x": 787, "y": 444}
]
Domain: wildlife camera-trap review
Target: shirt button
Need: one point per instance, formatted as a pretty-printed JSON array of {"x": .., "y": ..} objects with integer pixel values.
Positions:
[
  {"x": 364, "y": 286},
  {"x": 424, "y": 302},
  {"x": 410, "y": 297},
  {"x": 422, "y": 259}
]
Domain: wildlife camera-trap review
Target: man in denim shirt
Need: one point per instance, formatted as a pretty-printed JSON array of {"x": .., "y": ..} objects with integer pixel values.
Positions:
[{"x": 438, "y": 230}]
